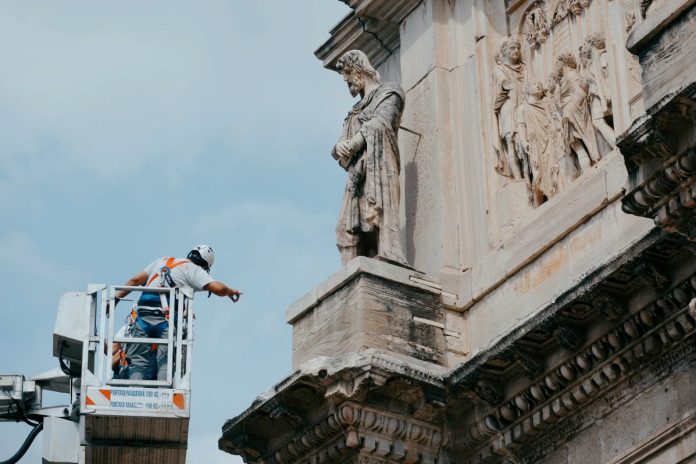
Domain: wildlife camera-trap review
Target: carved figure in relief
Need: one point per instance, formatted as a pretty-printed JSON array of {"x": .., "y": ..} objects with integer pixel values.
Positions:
[
  {"x": 593, "y": 56},
  {"x": 558, "y": 10},
  {"x": 509, "y": 76},
  {"x": 576, "y": 122},
  {"x": 565, "y": 168},
  {"x": 536, "y": 26},
  {"x": 644, "y": 6},
  {"x": 534, "y": 128},
  {"x": 629, "y": 14},
  {"x": 368, "y": 224}
]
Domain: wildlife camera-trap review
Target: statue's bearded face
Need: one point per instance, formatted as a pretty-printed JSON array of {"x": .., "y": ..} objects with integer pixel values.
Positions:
[{"x": 354, "y": 80}]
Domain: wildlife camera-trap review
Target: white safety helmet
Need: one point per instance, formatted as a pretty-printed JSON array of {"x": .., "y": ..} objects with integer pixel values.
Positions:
[{"x": 205, "y": 253}]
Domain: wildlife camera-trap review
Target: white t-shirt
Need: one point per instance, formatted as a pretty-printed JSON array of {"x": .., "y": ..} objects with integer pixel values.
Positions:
[{"x": 183, "y": 275}]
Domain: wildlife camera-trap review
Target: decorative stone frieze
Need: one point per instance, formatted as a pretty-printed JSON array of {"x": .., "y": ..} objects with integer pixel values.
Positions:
[{"x": 552, "y": 99}]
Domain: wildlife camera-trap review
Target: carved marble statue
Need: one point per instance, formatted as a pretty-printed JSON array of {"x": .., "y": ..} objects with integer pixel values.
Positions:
[
  {"x": 536, "y": 26},
  {"x": 368, "y": 224},
  {"x": 534, "y": 139},
  {"x": 558, "y": 10},
  {"x": 509, "y": 76},
  {"x": 577, "y": 127},
  {"x": 593, "y": 56},
  {"x": 564, "y": 161}
]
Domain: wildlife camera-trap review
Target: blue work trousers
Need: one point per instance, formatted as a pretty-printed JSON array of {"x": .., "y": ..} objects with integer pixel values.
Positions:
[{"x": 146, "y": 361}]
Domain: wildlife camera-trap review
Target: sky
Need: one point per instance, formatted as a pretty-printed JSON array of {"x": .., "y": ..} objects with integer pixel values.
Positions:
[{"x": 134, "y": 130}]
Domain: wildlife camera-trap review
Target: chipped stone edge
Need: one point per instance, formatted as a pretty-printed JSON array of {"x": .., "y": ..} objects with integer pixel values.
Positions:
[
  {"x": 359, "y": 265},
  {"x": 655, "y": 23},
  {"x": 324, "y": 366}
]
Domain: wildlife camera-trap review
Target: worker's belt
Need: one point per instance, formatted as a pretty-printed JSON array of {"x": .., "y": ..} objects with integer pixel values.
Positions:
[{"x": 153, "y": 312}]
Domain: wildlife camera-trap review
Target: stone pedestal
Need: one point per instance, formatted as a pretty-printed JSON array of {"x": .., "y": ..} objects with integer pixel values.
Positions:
[{"x": 369, "y": 304}]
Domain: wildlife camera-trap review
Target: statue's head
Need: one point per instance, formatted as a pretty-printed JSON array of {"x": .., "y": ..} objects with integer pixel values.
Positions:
[
  {"x": 356, "y": 68},
  {"x": 567, "y": 60},
  {"x": 535, "y": 89},
  {"x": 596, "y": 40},
  {"x": 511, "y": 51}
]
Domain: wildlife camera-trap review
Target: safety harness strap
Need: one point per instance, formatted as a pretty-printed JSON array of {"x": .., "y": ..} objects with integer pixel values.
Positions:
[{"x": 170, "y": 264}]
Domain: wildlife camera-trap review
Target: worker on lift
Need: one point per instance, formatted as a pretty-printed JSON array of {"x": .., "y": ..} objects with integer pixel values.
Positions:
[{"x": 152, "y": 319}]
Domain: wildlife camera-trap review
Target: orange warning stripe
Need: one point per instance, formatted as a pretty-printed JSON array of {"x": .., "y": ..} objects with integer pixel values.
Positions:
[
  {"x": 89, "y": 401},
  {"x": 178, "y": 400},
  {"x": 106, "y": 392}
]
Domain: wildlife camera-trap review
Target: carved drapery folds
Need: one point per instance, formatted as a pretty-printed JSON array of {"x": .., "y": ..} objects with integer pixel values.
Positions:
[{"x": 551, "y": 102}]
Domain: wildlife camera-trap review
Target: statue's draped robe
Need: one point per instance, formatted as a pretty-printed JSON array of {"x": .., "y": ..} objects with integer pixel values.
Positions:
[
  {"x": 599, "y": 84},
  {"x": 371, "y": 197},
  {"x": 505, "y": 104},
  {"x": 576, "y": 112},
  {"x": 534, "y": 115}
]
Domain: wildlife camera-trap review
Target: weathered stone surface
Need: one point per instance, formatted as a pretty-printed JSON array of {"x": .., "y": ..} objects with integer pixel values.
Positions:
[
  {"x": 549, "y": 325},
  {"x": 378, "y": 306},
  {"x": 659, "y": 148},
  {"x": 367, "y": 407}
]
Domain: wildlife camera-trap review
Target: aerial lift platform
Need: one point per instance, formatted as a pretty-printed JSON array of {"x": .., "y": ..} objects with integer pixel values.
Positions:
[{"x": 108, "y": 420}]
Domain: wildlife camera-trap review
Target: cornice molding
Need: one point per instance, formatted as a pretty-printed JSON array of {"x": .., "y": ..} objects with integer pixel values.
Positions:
[
  {"x": 392, "y": 11},
  {"x": 377, "y": 435},
  {"x": 372, "y": 26},
  {"x": 377, "y": 39},
  {"x": 663, "y": 329},
  {"x": 662, "y": 174}
]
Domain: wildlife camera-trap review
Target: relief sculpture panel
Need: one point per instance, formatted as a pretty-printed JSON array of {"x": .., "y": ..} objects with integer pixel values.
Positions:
[{"x": 552, "y": 117}]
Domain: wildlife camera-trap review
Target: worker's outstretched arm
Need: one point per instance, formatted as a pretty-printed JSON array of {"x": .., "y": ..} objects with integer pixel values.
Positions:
[
  {"x": 135, "y": 281},
  {"x": 221, "y": 289}
]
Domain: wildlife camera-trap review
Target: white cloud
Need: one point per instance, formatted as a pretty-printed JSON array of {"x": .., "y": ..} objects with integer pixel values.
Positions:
[
  {"x": 24, "y": 265},
  {"x": 106, "y": 91}
]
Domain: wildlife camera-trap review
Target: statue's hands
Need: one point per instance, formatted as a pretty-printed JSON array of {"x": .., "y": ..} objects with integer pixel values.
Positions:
[{"x": 342, "y": 149}]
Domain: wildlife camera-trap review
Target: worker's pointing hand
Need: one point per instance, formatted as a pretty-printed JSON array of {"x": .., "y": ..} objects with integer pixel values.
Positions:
[{"x": 234, "y": 295}]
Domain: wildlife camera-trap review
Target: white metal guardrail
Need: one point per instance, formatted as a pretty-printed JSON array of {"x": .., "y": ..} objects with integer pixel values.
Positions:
[{"x": 101, "y": 392}]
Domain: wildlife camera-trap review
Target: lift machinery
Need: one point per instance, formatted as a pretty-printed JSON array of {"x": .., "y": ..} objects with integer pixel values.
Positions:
[{"x": 107, "y": 419}]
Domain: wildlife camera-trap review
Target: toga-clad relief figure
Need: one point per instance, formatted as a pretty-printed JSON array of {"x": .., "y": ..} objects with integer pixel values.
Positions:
[
  {"x": 576, "y": 122},
  {"x": 509, "y": 76},
  {"x": 368, "y": 224},
  {"x": 595, "y": 64},
  {"x": 534, "y": 119},
  {"x": 551, "y": 134}
]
